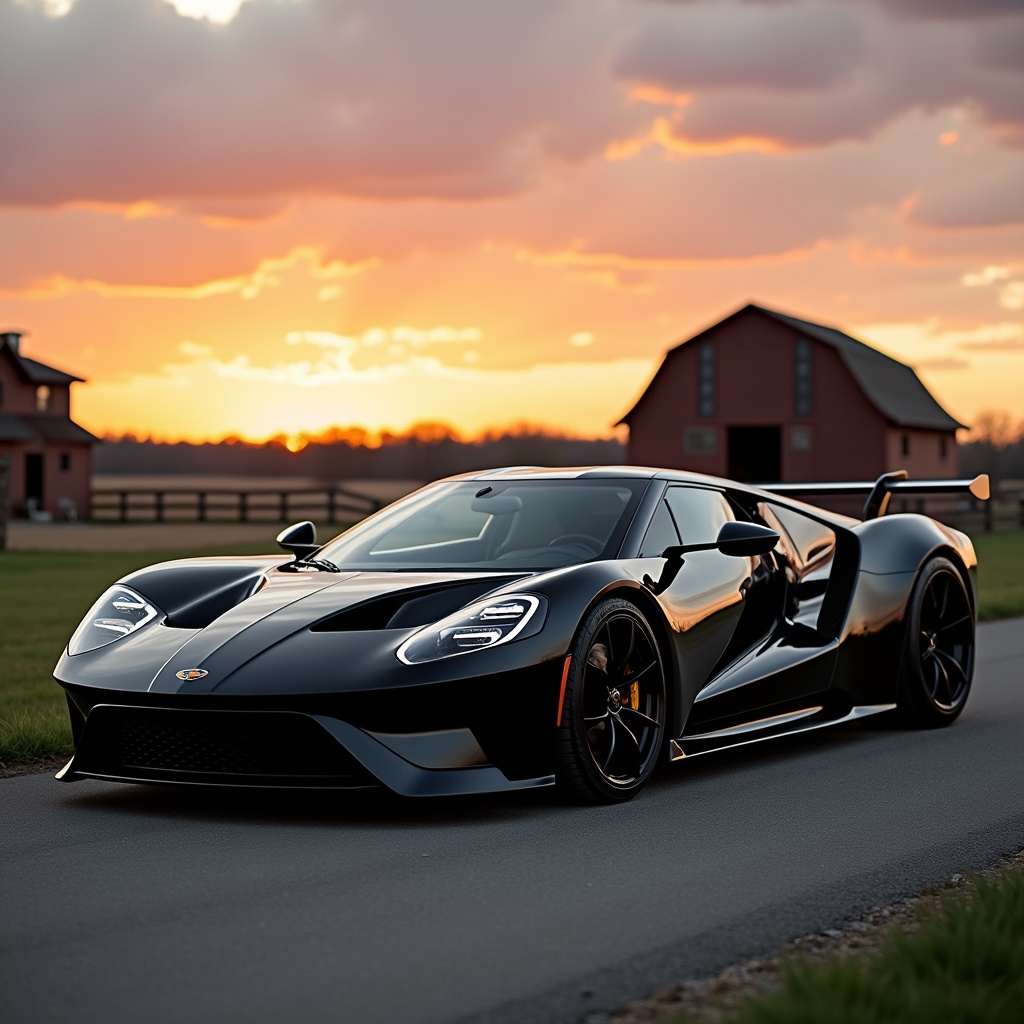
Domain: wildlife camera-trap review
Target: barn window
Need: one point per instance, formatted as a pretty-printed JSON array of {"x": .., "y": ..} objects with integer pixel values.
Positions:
[
  {"x": 800, "y": 439},
  {"x": 802, "y": 377},
  {"x": 65, "y": 462},
  {"x": 706, "y": 380},
  {"x": 905, "y": 445},
  {"x": 42, "y": 398},
  {"x": 700, "y": 441}
]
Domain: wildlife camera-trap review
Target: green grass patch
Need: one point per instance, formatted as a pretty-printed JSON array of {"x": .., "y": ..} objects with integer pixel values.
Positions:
[
  {"x": 964, "y": 965},
  {"x": 1000, "y": 574}
]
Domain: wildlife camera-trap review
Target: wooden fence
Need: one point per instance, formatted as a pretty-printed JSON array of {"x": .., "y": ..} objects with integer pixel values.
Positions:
[
  {"x": 226, "y": 505},
  {"x": 338, "y": 504}
]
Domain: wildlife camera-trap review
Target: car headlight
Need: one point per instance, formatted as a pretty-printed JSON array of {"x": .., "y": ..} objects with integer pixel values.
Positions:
[
  {"x": 482, "y": 625},
  {"x": 117, "y": 613}
]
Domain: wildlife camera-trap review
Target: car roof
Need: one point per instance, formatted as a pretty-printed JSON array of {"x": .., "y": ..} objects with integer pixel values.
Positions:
[
  {"x": 653, "y": 473},
  {"x": 596, "y": 473}
]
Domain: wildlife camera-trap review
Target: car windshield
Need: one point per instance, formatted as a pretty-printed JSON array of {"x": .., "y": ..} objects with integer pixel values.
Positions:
[{"x": 473, "y": 524}]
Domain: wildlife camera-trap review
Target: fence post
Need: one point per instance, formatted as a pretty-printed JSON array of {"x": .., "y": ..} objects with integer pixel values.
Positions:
[
  {"x": 124, "y": 506},
  {"x": 988, "y": 516},
  {"x": 5, "y": 498},
  {"x": 243, "y": 507},
  {"x": 332, "y": 516},
  {"x": 159, "y": 499},
  {"x": 201, "y": 509},
  {"x": 284, "y": 506}
]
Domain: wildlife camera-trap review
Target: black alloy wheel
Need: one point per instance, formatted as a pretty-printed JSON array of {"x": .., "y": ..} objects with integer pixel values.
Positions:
[
  {"x": 938, "y": 659},
  {"x": 613, "y": 713}
]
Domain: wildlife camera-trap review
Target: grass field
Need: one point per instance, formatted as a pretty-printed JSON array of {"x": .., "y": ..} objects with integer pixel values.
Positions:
[
  {"x": 44, "y": 594},
  {"x": 1000, "y": 574},
  {"x": 964, "y": 965}
]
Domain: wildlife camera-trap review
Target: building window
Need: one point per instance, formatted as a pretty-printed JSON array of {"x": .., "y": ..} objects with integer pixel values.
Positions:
[
  {"x": 42, "y": 398},
  {"x": 700, "y": 441},
  {"x": 802, "y": 377},
  {"x": 706, "y": 380},
  {"x": 905, "y": 445},
  {"x": 800, "y": 439},
  {"x": 64, "y": 462},
  {"x": 943, "y": 447}
]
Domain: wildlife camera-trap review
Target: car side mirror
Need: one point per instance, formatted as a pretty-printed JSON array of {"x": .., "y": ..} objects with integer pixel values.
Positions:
[
  {"x": 740, "y": 539},
  {"x": 299, "y": 539},
  {"x": 744, "y": 539}
]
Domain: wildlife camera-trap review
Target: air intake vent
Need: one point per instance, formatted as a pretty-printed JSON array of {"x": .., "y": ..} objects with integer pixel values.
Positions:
[
  {"x": 412, "y": 608},
  {"x": 244, "y": 745}
]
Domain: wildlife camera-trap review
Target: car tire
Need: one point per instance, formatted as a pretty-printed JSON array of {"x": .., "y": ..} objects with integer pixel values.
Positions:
[
  {"x": 938, "y": 656},
  {"x": 613, "y": 710}
]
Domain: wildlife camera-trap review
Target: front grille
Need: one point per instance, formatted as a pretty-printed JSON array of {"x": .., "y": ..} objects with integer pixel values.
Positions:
[{"x": 286, "y": 746}]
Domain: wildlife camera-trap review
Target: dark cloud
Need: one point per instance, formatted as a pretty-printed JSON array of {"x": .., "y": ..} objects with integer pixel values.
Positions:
[
  {"x": 124, "y": 100},
  {"x": 791, "y": 48},
  {"x": 950, "y": 9},
  {"x": 810, "y": 75},
  {"x": 1002, "y": 46},
  {"x": 121, "y": 100},
  {"x": 996, "y": 200}
]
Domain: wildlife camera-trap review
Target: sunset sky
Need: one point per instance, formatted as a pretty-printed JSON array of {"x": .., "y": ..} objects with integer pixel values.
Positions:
[{"x": 287, "y": 214}]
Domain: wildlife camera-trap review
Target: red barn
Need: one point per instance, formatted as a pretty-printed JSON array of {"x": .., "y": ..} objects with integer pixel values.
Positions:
[
  {"x": 51, "y": 455},
  {"x": 762, "y": 396}
]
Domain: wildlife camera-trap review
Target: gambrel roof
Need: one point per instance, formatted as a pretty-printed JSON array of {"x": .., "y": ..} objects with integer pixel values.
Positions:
[{"x": 892, "y": 387}]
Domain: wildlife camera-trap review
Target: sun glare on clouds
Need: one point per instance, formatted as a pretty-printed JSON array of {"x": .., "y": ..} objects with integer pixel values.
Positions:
[{"x": 376, "y": 212}]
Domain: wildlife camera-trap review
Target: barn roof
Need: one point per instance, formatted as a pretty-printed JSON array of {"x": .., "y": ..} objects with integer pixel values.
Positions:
[{"x": 891, "y": 386}]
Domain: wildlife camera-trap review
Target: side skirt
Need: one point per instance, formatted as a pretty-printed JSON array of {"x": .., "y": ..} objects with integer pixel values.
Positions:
[{"x": 773, "y": 728}]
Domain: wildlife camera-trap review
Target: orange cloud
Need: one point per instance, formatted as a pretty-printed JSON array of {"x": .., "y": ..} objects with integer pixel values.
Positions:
[{"x": 247, "y": 286}]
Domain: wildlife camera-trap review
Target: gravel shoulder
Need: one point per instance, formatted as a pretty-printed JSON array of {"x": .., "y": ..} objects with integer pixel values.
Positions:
[{"x": 713, "y": 1000}]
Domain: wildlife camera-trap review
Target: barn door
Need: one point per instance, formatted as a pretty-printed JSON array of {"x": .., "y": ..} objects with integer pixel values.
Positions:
[{"x": 755, "y": 454}]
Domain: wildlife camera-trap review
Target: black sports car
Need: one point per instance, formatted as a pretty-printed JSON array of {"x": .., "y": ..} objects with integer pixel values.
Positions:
[{"x": 527, "y": 627}]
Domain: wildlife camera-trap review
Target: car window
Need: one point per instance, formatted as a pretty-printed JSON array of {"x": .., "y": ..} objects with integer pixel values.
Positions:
[
  {"x": 519, "y": 524},
  {"x": 661, "y": 533},
  {"x": 448, "y": 519},
  {"x": 813, "y": 542},
  {"x": 699, "y": 513}
]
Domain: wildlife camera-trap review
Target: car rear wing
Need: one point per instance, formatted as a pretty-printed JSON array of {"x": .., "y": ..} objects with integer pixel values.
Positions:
[{"x": 888, "y": 484}]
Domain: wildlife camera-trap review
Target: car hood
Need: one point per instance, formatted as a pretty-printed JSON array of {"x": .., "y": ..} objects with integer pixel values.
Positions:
[{"x": 295, "y": 628}]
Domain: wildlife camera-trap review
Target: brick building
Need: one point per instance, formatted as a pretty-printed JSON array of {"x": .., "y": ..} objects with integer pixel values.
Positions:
[
  {"x": 761, "y": 396},
  {"x": 51, "y": 455}
]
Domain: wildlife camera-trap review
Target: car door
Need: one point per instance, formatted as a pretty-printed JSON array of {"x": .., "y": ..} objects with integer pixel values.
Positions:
[
  {"x": 791, "y": 664},
  {"x": 705, "y": 600}
]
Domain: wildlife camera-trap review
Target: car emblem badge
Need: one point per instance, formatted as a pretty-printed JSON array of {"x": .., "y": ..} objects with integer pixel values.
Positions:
[{"x": 190, "y": 675}]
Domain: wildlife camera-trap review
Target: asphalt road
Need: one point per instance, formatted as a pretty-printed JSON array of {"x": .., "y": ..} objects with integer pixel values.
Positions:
[{"x": 126, "y": 904}]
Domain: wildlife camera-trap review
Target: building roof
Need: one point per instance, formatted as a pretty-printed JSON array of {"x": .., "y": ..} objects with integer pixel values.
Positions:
[
  {"x": 36, "y": 372},
  {"x": 50, "y": 428},
  {"x": 892, "y": 387},
  {"x": 12, "y": 429}
]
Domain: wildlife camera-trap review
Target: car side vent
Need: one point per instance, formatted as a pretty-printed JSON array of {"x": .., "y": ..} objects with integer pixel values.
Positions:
[
  {"x": 370, "y": 615},
  {"x": 840, "y": 586},
  {"x": 409, "y": 610},
  {"x": 209, "y": 606}
]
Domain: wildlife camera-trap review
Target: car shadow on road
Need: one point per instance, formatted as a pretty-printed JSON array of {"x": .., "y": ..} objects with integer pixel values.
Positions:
[
  {"x": 364, "y": 808},
  {"x": 379, "y": 808}
]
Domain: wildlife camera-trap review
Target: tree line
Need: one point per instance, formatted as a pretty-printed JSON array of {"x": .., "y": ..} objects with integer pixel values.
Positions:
[{"x": 426, "y": 452}]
